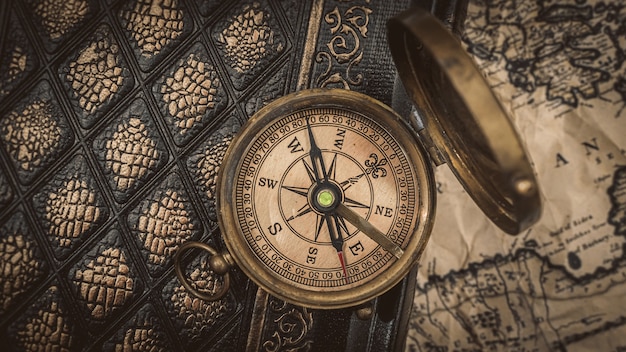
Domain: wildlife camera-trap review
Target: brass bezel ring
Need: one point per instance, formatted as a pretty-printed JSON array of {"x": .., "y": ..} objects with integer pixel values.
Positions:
[
  {"x": 243, "y": 254},
  {"x": 183, "y": 280}
]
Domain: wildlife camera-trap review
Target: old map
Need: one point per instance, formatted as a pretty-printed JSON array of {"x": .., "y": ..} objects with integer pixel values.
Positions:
[{"x": 558, "y": 67}]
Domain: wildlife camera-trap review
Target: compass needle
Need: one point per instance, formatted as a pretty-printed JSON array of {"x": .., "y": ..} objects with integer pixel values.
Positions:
[
  {"x": 316, "y": 156},
  {"x": 369, "y": 230},
  {"x": 338, "y": 242},
  {"x": 343, "y": 266}
]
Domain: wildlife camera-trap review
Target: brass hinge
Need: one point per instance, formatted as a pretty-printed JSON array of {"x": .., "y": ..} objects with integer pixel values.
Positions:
[{"x": 422, "y": 134}]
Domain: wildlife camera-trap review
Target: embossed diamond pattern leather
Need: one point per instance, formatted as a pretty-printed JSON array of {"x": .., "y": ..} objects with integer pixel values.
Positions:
[{"x": 114, "y": 120}]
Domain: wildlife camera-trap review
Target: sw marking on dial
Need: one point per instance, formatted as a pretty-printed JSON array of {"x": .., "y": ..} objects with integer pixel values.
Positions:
[{"x": 296, "y": 175}]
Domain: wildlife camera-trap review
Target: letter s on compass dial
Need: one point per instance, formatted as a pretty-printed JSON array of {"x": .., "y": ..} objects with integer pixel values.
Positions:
[{"x": 326, "y": 198}]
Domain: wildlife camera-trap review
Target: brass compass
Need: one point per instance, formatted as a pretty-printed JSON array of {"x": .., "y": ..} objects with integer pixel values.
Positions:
[{"x": 326, "y": 197}]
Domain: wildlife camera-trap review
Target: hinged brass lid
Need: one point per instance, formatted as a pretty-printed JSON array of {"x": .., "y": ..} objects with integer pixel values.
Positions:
[{"x": 464, "y": 119}]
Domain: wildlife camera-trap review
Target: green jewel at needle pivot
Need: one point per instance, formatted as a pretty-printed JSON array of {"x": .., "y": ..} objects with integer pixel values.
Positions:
[{"x": 325, "y": 198}]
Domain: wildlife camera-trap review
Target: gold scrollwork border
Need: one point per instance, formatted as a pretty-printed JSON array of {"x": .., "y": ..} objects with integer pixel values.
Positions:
[{"x": 344, "y": 49}]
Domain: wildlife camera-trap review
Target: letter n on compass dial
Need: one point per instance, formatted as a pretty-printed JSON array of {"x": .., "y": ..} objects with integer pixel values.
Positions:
[{"x": 296, "y": 173}]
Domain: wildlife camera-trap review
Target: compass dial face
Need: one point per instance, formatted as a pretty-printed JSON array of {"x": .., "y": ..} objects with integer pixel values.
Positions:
[{"x": 286, "y": 180}]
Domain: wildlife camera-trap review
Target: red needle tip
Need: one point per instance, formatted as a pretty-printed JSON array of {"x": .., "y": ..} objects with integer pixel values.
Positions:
[{"x": 343, "y": 265}]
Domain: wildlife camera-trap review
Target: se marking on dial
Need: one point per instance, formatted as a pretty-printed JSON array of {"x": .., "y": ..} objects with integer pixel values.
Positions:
[{"x": 298, "y": 172}]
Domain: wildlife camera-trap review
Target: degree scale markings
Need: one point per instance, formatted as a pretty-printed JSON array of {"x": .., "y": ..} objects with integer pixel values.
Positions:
[{"x": 266, "y": 246}]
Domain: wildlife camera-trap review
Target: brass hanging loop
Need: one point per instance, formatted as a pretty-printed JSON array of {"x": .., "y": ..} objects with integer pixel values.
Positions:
[{"x": 219, "y": 263}]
